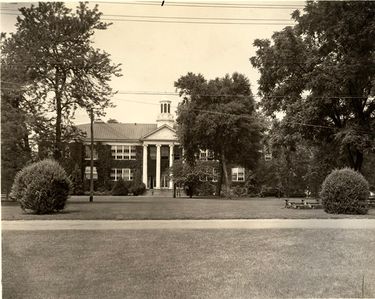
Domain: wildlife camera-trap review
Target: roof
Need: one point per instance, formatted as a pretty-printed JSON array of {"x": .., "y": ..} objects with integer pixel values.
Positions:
[{"x": 117, "y": 131}]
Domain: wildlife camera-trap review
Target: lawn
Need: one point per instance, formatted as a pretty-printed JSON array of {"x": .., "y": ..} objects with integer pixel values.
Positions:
[
  {"x": 188, "y": 264},
  {"x": 112, "y": 207}
]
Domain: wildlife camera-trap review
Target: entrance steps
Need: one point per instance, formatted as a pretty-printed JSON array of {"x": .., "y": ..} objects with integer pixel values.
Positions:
[{"x": 159, "y": 193}]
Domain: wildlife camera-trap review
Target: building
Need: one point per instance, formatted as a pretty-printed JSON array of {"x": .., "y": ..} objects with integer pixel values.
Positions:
[
  {"x": 149, "y": 148},
  {"x": 145, "y": 151}
]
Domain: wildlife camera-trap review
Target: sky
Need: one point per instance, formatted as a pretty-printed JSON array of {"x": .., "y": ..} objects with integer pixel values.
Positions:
[{"x": 155, "y": 50}]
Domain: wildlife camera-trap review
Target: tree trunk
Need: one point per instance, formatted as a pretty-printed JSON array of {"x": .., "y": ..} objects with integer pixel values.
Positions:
[
  {"x": 358, "y": 161},
  {"x": 219, "y": 181},
  {"x": 355, "y": 158},
  {"x": 225, "y": 172},
  {"x": 57, "y": 149}
]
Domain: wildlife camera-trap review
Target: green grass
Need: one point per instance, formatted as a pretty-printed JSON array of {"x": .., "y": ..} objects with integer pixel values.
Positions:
[
  {"x": 112, "y": 207},
  {"x": 188, "y": 264}
]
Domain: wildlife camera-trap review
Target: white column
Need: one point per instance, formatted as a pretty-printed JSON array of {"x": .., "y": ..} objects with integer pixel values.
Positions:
[
  {"x": 158, "y": 166},
  {"x": 144, "y": 173},
  {"x": 170, "y": 165}
]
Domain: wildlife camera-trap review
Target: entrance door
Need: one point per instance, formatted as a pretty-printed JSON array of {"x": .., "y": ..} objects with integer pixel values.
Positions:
[{"x": 151, "y": 182}]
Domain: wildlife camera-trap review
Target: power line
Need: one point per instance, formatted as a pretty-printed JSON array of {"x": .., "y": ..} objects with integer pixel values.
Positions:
[
  {"x": 169, "y": 20},
  {"x": 208, "y": 5},
  {"x": 172, "y": 93},
  {"x": 195, "y": 18},
  {"x": 239, "y": 115},
  {"x": 181, "y": 17},
  {"x": 196, "y": 22}
]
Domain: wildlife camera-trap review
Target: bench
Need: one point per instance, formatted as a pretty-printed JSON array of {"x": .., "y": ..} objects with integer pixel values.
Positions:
[
  {"x": 371, "y": 202},
  {"x": 303, "y": 204}
]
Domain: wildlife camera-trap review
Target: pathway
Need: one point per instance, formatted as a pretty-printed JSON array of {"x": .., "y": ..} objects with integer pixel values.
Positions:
[{"x": 189, "y": 224}]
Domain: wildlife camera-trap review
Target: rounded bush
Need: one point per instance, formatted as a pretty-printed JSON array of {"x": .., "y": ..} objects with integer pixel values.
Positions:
[
  {"x": 42, "y": 187},
  {"x": 345, "y": 191},
  {"x": 138, "y": 189},
  {"x": 120, "y": 188}
]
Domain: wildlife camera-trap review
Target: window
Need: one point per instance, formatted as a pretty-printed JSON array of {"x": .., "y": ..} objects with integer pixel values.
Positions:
[
  {"x": 238, "y": 174},
  {"x": 164, "y": 181},
  {"x": 125, "y": 173},
  {"x": 210, "y": 177},
  {"x": 123, "y": 152},
  {"x": 94, "y": 173},
  {"x": 206, "y": 155},
  {"x": 88, "y": 153},
  {"x": 214, "y": 175},
  {"x": 203, "y": 155},
  {"x": 268, "y": 157}
]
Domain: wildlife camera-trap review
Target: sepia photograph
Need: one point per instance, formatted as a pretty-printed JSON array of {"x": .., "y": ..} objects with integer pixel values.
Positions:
[{"x": 187, "y": 149}]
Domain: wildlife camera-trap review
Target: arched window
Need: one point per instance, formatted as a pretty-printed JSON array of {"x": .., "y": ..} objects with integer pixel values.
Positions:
[
  {"x": 161, "y": 106},
  {"x": 165, "y": 108},
  {"x": 169, "y": 108}
]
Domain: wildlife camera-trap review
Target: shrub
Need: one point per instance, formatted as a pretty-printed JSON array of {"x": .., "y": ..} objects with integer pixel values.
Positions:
[
  {"x": 345, "y": 191},
  {"x": 270, "y": 191},
  {"x": 42, "y": 187},
  {"x": 239, "y": 191},
  {"x": 120, "y": 188},
  {"x": 76, "y": 179},
  {"x": 138, "y": 188},
  {"x": 205, "y": 189}
]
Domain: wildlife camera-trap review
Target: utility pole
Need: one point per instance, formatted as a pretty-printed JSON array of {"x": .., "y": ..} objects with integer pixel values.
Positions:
[{"x": 92, "y": 155}]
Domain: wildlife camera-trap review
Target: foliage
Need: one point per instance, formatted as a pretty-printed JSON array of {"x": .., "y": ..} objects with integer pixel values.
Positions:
[
  {"x": 77, "y": 181},
  {"x": 239, "y": 191},
  {"x": 205, "y": 189},
  {"x": 120, "y": 188},
  {"x": 345, "y": 191},
  {"x": 137, "y": 188},
  {"x": 219, "y": 115},
  {"x": 320, "y": 73},
  {"x": 271, "y": 191},
  {"x": 104, "y": 165},
  {"x": 15, "y": 147},
  {"x": 61, "y": 70},
  {"x": 42, "y": 187},
  {"x": 189, "y": 176}
]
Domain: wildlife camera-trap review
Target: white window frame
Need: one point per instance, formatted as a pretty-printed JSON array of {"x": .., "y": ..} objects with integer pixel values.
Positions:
[
  {"x": 206, "y": 155},
  {"x": 268, "y": 156},
  {"x": 127, "y": 174},
  {"x": 124, "y": 151},
  {"x": 88, "y": 173},
  {"x": 237, "y": 175}
]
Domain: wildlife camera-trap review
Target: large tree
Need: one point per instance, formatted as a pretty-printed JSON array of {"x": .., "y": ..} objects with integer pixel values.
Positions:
[
  {"x": 219, "y": 115},
  {"x": 61, "y": 70},
  {"x": 321, "y": 74}
]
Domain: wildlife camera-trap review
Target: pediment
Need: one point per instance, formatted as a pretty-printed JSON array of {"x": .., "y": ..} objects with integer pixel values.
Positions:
[{"x": 160, "y": 134}]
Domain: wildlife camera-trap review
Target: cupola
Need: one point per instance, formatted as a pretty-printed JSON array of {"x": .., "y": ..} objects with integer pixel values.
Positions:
[{"x": 165, "y": 117}]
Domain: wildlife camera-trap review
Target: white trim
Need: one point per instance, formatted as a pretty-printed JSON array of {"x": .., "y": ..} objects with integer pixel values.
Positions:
[
  {"x": 118, "y": 152},
  {"x": 127, "y": 174},
  {"x": 236, "y": 171}
]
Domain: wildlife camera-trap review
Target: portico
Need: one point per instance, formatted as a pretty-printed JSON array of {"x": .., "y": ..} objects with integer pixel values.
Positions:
[{"x": 158, "y": 156}]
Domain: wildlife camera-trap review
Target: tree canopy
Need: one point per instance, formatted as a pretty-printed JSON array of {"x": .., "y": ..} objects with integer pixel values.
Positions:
[
  {"x": 51, "y": 60},
  {"x": 219, "y": 115},
  {"x": 321, "y": 74}
]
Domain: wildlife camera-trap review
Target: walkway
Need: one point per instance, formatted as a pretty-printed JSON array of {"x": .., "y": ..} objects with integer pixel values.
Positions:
[{"x": 189, "y": 224}]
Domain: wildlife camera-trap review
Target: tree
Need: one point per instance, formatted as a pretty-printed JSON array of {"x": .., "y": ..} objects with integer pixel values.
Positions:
[
  {"x": 321, "y": 74},
  {"x": 189, "y": 175},
  {"x": 61, "y": 70},
  {"x": 219, "y": 115},
  {"x": 15, "y": 148}
]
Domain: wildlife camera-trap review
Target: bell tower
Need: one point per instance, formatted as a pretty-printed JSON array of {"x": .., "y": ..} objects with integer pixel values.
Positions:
[{"x": 165, "y": 117}]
